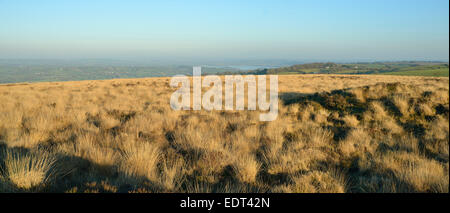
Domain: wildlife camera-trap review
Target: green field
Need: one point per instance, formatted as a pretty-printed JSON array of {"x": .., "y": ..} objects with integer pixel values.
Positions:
[
  {"x": 443, "y": 72},
  {"x": 435, "y": 69}
]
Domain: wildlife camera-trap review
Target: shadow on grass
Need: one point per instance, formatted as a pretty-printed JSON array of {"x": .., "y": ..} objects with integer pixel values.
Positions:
[
  {"x": 340, "y": 101},
  {"x": 75, "y": 174}
]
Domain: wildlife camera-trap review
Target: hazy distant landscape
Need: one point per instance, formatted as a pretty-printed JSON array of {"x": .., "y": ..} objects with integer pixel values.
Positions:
[
  {"x": 29, "y": 71},
  {"x": 39, "y": 73},
  {"x": 408, "y": 68}
]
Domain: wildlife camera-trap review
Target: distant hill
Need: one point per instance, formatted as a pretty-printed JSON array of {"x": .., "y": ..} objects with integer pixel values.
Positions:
[{"x": 387, "y": 68}]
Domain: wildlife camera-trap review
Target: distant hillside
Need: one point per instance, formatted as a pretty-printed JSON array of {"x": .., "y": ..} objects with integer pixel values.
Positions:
[
  {"x": 439, "y": 69},
  {"x": 30, "y": 71}
]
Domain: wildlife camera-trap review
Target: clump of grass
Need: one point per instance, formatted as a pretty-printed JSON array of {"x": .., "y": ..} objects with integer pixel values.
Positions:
[
  {"x": 401, "y": 102},
  {"x": 423, "y": 174},
  {"x": 141, "y": 160},
  {"x": 425, "y": 109},
  {"x": 172, "y": 174},
  {"x": 351, "y": 121},
  {"x": 28, "y": 171},
  {"x": 357, "y": 142},
  {"x": 332, "y": 181},
  {"x": 246, "y": 168}
]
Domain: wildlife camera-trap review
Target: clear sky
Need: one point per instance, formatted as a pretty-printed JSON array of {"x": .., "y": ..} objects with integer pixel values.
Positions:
[{"x": 277, "y": 29}]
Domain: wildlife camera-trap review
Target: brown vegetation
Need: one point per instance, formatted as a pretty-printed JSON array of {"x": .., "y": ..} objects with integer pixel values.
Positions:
[{"x": 334, "y": 133}]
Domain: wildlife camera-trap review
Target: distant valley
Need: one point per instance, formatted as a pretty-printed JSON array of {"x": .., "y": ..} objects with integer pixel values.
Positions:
[{"x": 19, "y": 71}]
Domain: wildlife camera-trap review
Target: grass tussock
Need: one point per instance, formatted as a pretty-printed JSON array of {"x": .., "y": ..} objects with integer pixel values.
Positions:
[
  {"x": 333, "y": 134},
  {"x": 31, "y": 171}
]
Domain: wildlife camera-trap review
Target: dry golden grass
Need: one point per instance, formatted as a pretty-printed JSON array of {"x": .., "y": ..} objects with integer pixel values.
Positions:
[
  {"x": 334, "y": 133},
  {"x": 29, "y": 172}
]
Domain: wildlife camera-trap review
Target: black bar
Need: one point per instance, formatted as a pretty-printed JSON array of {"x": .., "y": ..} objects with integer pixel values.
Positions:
[{"x": 329, "y": 202}]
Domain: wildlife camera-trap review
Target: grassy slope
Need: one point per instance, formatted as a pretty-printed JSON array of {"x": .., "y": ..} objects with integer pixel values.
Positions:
[{"x": 386, "y": 134}]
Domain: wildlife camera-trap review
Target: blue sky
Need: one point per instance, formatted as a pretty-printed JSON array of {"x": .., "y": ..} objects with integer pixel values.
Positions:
[{"x": 295, "y": 30}]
